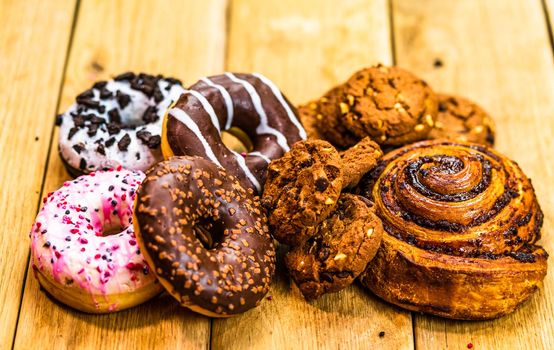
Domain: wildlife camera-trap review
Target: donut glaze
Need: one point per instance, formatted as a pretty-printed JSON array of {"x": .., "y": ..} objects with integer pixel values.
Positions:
[
  {"x": 205, "y": 236},
  {"x": 249, "y": 102},
  {"x": 116, "y": 122},
  {"x": 73, "y": 254}
]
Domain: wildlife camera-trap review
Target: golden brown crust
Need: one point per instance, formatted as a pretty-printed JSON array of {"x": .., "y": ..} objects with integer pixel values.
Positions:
[
  {"x": 358, "y": 160},
  {"x": 461, "y": 224},
  {"x": 389, "y": 104},
  {"x": 308, "y": 117},
  {"x": 340, "y": 250},
  {"x": 459, "y": 119},
  {"x": 301, "y": 189}
]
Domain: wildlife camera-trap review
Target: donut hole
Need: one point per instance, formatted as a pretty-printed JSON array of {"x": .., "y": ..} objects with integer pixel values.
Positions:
[
  {"x": 112, "y": 227},
  {"x": 209, "y": 233},
  {"x": 237, "y": 140}
]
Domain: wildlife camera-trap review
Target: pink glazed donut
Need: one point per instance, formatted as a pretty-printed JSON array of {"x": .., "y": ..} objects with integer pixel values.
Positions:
[{"x": 83, "y": 246}]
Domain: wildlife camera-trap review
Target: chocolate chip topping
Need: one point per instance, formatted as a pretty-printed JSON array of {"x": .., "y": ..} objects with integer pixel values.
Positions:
[
  {"x": 122, "y": 99},
  {"x": 100, "y": 85},
  {"x": 113, "y": 128},
  {"x": 72, "y": 132},
  {"x": 123, "y": 144},
  {"x": 109, "y": 142},
  {"x": 114, "y": 116},
  {"x": 100, "y": 149},
  {"x": 127, "y": 76},
  {"x": 78, "y": 147},
  {"x": 204, "y": 235},
  {"x": 150, "y": 115},
  {"x": 90, "y": 114}
]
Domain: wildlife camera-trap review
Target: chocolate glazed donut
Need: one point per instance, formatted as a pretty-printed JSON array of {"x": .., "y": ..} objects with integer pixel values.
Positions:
[
  {"x": 249, "y": 102},
  {"x": 461, "y": 222},
  {"x": 205, "y": 236}
]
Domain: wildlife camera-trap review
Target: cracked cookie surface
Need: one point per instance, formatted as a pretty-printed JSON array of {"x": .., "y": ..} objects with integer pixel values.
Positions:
[
  {"x": 358, "y": 160},
  {"x": 460, "y": 119},
  {"x": 389, "y": 104},
  {"x": 301, "y": 189},
  {"x": 344, "y": 243}
]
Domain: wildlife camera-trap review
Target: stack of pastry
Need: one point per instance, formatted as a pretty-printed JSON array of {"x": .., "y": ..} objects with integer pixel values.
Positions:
[
  {"x": 389, "y": 183},
  {"x": 460, "y": 220}
]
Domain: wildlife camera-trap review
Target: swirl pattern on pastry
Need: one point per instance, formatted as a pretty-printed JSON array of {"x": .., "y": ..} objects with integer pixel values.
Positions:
[{"x": 461, "y": 222}]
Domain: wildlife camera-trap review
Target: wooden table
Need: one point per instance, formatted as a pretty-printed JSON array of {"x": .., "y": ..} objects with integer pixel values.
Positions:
[{"x": 498, "y": 52}]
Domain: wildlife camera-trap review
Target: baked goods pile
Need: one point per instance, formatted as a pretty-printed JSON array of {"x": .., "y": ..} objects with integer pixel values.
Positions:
[{"x": 380, "y": 180}]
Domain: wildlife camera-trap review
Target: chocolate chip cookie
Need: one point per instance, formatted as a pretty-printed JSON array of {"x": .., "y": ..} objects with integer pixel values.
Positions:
[
  {"x": 462, "y": 120},
  {"x": 389, "y": 104},
  {"x": 342, "y": 246},
  {"x": 301, "y": 189},
  {"x": 308, "y": 116},
  {"x": 329, "y": 119},
  {"x": 358, "y": 160}
]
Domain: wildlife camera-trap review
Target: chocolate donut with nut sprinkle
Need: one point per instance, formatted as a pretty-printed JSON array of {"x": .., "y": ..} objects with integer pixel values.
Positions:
[{"x": 205, "y": 236}]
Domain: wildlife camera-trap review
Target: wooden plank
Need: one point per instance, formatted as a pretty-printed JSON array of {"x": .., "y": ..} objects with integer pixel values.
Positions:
[
  {"x": 497, "y": 53},
  {"x": 113, "y": 37},
  {"x": 306, "y": 47},
  {"x": 34, "y": 37}
]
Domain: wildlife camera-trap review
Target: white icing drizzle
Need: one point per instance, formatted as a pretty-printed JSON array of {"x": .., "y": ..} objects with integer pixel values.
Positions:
[
  {"x": 261, "y": 155},
  {"x": 207, "y": 107},
  {"x": 228, "y": 101},
  {"x": 184, "y": 118},
  {"x": 263, "y": 127},
  {"x": 249, "y": 175},
  {"x": 284, "y": 103}
]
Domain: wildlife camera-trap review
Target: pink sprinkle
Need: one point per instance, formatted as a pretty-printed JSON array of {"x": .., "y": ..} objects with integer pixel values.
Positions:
[
  {"x": 115, "y": 247},
  {"x": 57, "y": 254},
  {"x": 269, "y": 297},
  {"x": 243, "y": 154},
  {"x": 118, "y": 168},
  {"x": 83, "y": 249},
  {"x": 74, "y": 230},
  {"x": 83, "y": 240},
  {"x": 107, "y": 274},
  {"x": 97, "y": 256},
  {"x": 123, "y": 197},
  {"x": 98, "y": 269},
  {"x": 133, "y": 242},
  {"x": 81, "y": 271},
  {"x": 469, "y": 345},
  {"x": 92, "y": 174}
]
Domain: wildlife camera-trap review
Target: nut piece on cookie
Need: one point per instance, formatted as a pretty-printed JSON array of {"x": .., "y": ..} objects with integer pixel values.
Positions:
[
  {"x": 460, "y": 119},
  {"x": 340, "y": 250},
  {"x": 391, "y": 105},
  {"x": 301, "y": 189},
  {"x": 358, "y": 160},
  {"x": 329, "y": 110},
  {"x": 308, "y": 114}
]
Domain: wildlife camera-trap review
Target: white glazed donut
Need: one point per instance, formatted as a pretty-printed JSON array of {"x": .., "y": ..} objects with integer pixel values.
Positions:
[
  {"x": 83, "y": 246},
  {"x": 116, "y": 122}
]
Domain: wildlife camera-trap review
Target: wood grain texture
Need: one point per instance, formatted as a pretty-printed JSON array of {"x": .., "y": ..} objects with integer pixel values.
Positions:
[
  {"x": 34, "y": 38},
  {"x": 306, "y": 47},
  {"x": 112, "y": 37},
  {"x": 497, "y": 53}
]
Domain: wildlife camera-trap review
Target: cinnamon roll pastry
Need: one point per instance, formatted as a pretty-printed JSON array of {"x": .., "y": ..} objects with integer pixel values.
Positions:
[{"x": 461, "y": 224}]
